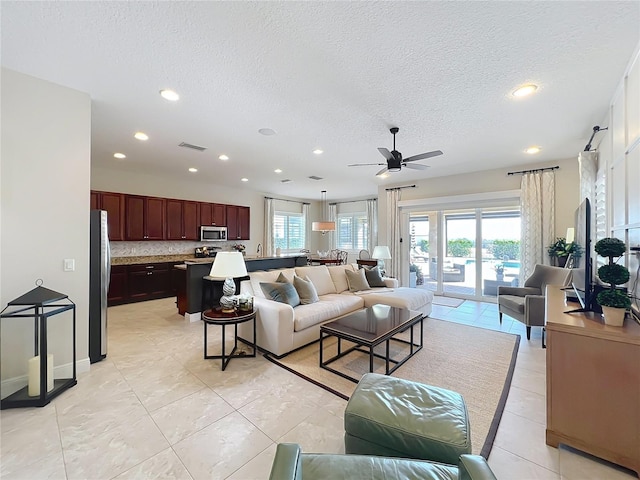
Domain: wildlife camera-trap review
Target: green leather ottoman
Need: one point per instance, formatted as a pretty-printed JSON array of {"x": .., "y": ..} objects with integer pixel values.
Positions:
[{"x": 393, "y": 417}]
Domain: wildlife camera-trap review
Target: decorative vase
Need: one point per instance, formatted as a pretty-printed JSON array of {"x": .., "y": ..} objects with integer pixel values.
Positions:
[
  {"x": 613, "y": 316},
  {"x": 500, "y": 277},
  {"x": 562, "y": 261}
]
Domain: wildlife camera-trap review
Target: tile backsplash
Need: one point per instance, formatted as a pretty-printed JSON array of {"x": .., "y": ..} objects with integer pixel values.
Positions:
[{"x": 135, "y": 249}]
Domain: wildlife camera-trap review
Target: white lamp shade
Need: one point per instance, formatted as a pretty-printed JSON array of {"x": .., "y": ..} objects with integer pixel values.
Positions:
[
  {"x": 381, "y": 253},
  {"x": 323, "y": 226},
  {"x": 228, "y": 264}
]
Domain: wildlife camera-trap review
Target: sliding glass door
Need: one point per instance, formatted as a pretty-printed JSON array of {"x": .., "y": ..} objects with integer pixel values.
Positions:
[{"x": 465, "y": 253}]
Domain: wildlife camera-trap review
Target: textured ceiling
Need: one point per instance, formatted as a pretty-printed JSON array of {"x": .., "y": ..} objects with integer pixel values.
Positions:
[{"x": 329, "y": 75}]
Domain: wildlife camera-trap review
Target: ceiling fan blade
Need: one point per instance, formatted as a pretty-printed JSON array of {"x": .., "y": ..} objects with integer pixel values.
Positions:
[
  {"x": 415, "y": 166},
  {"x": 422, "y": 156},
  {"x": 382, "y": 171},
  {"x": 386, "y": 153},
  {"x": 364, "y": 164}
]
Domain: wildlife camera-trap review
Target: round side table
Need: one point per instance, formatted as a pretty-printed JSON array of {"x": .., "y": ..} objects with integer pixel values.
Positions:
[{"x": 216, "y": 316}]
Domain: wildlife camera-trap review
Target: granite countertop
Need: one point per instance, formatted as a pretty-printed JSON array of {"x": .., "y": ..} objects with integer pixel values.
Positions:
[{"x": 187, "y": 258}]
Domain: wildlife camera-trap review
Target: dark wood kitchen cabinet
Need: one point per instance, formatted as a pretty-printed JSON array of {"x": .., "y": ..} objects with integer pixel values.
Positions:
[
  {"x": 118, "y": 286},
  {"x": 144, "y": 218},
  {"x": 183, "y": 220},
  {"x": 213, "y": 214},
  {"x": 113, "y": 203},
  {"x": 149, "y": 281},
  {"x": 238, "y": 222}
]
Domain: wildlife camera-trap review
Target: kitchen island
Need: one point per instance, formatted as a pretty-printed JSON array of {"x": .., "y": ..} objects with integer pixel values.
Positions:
[{"x": 193, "y": 293}]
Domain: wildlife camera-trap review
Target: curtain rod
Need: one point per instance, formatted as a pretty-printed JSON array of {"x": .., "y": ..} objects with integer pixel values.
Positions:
[
  {"x": 352, "y": 201},
  {"x": 400, "y": 188},
  {"x": 283, "y": 200},
  {"x": 522, "y": 172}
]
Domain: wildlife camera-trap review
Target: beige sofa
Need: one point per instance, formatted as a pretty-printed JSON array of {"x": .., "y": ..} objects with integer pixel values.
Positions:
[{"x": 282, "y": 328}]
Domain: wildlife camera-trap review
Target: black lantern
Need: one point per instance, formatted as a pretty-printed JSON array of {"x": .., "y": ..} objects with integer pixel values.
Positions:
[{"x": 40, "y": 304}]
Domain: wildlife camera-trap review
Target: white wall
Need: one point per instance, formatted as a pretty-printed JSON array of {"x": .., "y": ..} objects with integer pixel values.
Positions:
[
  {"x": 567, "y": 190},
  {"x": 44, "y": 212},
  {"x": 619, "y": 151}
]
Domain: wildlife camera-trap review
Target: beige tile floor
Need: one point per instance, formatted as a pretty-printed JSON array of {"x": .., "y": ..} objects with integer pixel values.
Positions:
[{"x": 156, "y": 409}]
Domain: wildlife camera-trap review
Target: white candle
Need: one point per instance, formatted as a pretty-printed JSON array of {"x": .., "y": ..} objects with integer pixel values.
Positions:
[{"x": 34, "y": 375}]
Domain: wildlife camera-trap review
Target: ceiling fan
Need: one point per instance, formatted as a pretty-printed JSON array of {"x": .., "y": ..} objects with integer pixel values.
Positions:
[{"x": 395, "y": 162}]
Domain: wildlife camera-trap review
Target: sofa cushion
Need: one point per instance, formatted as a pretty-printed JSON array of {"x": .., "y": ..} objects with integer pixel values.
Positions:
[
  {"x": 329, "y": 307},
  {"x": 268, "y": 276},
  {"x": 281, "y": 292},
  {"x": 320, "y": 277},
  {"x": 357, "y": 281},
  {"x": 338, "y": 276},
  {"x": 306, "y": 290},
  {"x": 374, "y": 277},
  {"x": 403, "y": 297}
]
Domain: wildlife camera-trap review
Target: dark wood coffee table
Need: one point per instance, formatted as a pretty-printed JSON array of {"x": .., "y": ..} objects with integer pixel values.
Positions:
[{"x": 369, "y": 328}]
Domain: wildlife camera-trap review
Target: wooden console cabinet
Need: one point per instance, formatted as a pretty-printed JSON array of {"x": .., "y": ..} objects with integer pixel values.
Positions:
[{"x": 593, "y": 383}]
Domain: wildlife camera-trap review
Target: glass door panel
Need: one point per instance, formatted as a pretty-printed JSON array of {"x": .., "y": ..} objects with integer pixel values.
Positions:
[
  {"x": 500, "y": 250},
  {"x": 458, "y": 267}
]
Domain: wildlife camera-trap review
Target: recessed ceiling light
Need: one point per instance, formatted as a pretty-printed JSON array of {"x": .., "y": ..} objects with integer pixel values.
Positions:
[
  {"x": 524, "y": 90},
  {"x": 223, "y": 157},
  {"x": 193, "y": 170},
  {"x": 170, "y": 95},
  {"x": 317, "y": 151},
  {"x": 141, "y": 136},
  {"x": 267, "y": 131},
  {"x": 277, "y": 170},
  {"x": 244, "y": 179},
  {"x": 119, "y": 155},
  {"x": 532, "y": 150}
]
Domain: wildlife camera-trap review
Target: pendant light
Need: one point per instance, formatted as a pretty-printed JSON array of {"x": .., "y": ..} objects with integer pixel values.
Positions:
[{"x": 324, "y": 226}]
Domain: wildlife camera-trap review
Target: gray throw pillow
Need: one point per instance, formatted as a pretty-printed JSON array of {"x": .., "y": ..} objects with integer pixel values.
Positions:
[
  {"x": 357, "y": 281},
  {"x": 306, "y": 290},
  {"x": 373, "y": 276},
  {"x": 281, "y": 292}
]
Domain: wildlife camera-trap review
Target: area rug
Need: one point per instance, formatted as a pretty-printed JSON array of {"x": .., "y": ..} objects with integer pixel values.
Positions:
[
  {"x": 475, "y": 362},
  {"x": 447, "y": 301}
]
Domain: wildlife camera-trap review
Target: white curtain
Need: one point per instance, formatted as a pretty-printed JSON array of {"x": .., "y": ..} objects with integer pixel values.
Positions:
[
  {"x": 588, "y": 166},
  {"x": 393, "y": 233},
  {"x": 307, "y": 226},
  {"x": 268, "y": 227},
  {"x": 537, "y": 201},
  {"x": 333, "y": 215},
  {"x": 372, "y": 222}
]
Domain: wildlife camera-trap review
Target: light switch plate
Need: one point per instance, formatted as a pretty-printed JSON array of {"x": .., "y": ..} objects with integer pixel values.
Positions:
[{"x": 69, "y": 265}]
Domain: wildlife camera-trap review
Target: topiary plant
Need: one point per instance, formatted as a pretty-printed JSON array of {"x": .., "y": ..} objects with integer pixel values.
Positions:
[{"x": 613, "y": 274}]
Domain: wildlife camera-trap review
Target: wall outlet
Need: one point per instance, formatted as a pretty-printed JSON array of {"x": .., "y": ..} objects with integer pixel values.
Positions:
[{"x": 69, "y": 265}]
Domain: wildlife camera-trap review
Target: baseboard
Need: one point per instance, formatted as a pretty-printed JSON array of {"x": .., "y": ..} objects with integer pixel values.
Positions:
[
  {"x": 12, "y": 385},
  {"x": 193, "y": 317}
]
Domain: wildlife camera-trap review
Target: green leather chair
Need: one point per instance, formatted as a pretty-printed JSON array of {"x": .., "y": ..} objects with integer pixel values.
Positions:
[{"x": 291, "y": 464}]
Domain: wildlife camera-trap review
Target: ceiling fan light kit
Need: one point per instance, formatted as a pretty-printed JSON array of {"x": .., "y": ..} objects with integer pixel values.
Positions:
[{"x": 395, "y": 162}]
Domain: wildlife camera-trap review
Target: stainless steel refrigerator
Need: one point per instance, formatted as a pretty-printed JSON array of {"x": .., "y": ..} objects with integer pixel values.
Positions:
[{"x": 99, "y": 277}]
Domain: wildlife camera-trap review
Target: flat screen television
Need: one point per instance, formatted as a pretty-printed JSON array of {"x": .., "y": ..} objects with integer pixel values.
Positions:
[{"x": 582, "y": 281}]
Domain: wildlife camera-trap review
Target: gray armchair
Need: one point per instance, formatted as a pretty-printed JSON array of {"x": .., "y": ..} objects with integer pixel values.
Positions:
[{"x": 526, "y": 304}]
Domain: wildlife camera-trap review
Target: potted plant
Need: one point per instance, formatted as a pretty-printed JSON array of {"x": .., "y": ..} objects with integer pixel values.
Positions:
[
  {"x": 614, "y": 302},
  {"x": 560, "y": 251},
  {"x": 499, "y": 268},
  {"x": 415, "y": 275}
]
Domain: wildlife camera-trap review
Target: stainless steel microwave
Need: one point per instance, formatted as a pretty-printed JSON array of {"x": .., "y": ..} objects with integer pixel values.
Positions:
[{"x": 212, "y": 233}]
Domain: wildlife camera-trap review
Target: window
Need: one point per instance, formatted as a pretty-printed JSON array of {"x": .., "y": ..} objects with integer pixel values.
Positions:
[
  {"x": 352, "y": 230},
  {"x": 288, "y": 231}
]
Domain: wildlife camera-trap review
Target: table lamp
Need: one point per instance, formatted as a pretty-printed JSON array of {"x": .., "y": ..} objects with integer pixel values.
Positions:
[
  {"x": 228, "y": 265},
  {"x": 381, "y": 253}
]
